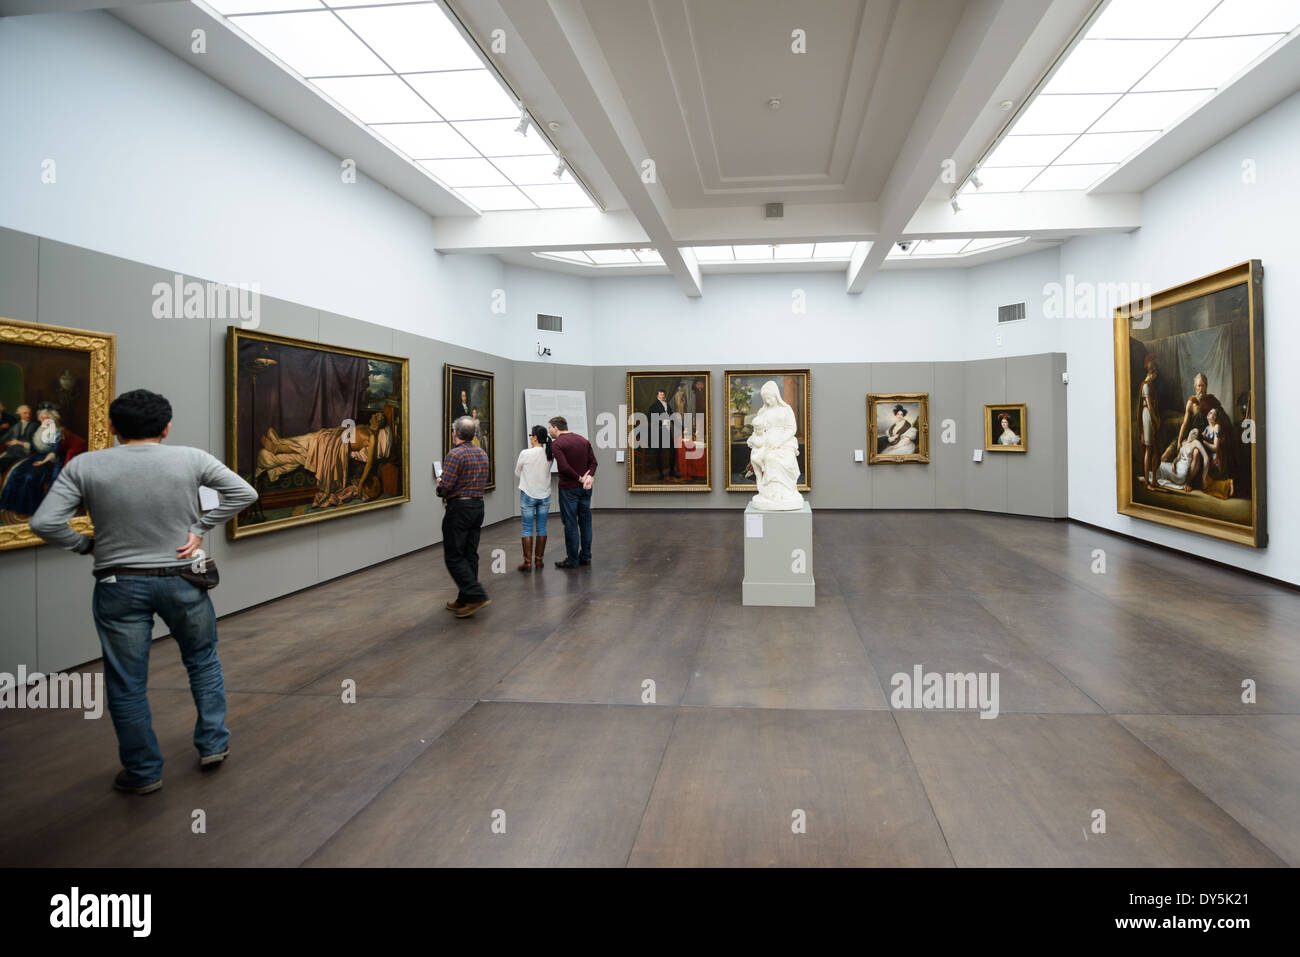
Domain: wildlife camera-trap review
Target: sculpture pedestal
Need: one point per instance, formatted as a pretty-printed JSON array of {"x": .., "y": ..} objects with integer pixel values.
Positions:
[{"x": 778, "y": 558}]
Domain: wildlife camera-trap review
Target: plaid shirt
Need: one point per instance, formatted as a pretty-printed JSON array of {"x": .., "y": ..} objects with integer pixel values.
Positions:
[{"x": 464, "y": 472}]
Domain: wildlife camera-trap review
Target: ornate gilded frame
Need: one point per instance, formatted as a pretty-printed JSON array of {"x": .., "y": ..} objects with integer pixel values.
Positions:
[
  {"x": 922, "y": 428},
  {"x": 102, "y": 349},
  {"x": 1251, "y": 275},
  {"x": 708, "y": 432},
  {"x": 234, "y": 336},
  {"x": 447, "y": 443},
  {"x": 991, "y": 440},
  {"x": 805, "y": 426}
]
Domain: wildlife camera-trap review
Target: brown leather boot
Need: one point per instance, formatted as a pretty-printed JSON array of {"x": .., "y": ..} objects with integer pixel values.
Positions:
[
  {"x": 541, "y": 550},
  {"x": 528, "y": 555}
]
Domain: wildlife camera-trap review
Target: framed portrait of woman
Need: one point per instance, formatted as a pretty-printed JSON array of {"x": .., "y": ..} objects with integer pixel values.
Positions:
[
  {"x": 319, "y": 431},
  {"x": 898, "y": 427},
  {"x": 55, "y": 388},
  {"x": 1006, "y": 427},
  {"x": 743, "y": 394},
  {"x": 471, "y": 392}
]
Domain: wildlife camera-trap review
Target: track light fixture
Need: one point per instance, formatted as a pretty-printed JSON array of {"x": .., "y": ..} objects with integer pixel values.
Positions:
[
  {"x": 955, "y": 207},
  {"x": 522, "y": 128},
  {"x": 975, "y": 181},
  {"x": 559, "y": 170}
]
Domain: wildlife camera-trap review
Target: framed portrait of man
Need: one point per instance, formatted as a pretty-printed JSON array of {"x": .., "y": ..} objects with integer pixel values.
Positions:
[
  {"x": 1005, "y": 427},
  {"x": 319, "y": 431},
  {"x": 668, "y": 441},
  {"x": 56, "y": 385},
  {"x": 898, "y": 427},
  {"x": 743, "y": 394},
  {"x": 471, "y": 392},
  {"x": 1189, "y": 407}
]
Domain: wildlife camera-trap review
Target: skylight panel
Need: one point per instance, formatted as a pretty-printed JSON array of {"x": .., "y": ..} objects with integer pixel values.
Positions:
[
  {"x": 612, "y": 257},
  {"x": 459, "y": 173},
  {"x": 1238, "y": 17},
  {"x": 559, "y": 196},
  {"x": 568, "y": 255},
  {"x": 496, "y": 197},
  {"x": 499, "y": 138},
  {"x": 1104, "y": 148},
  {"x": 751, "y": 253},
  {"x": 411, "y": 38},
  {"x": 426, "y": 140},
  {"x": 312, "y": 44},
  {"x": 465, "y": 95},
  {"x": 833, "y": 250},
  {"x": 228, "y": 7},
  {"x": 1071, "y": 113},
  {"x": 533, "y": 170},
  {"x": 980, "y": 245},
  {"x": 939, "y": 247},
  {"x": 1028, "y": 150},
  {"x": 1107, "y": 66},
  {"x": 793, "y": 251},
  {"x": 1011, "y": 179},
  {"x": 1150, "y": 19},
  {"x": 714, "y": 254},
  {"x": 650, "y": 257},
  {"x": 1204, "y": 64},
  {"x": 1069, "y": 177},
  {"x": 1148, "y": 111},
  {"x": 376, "y": 99}
]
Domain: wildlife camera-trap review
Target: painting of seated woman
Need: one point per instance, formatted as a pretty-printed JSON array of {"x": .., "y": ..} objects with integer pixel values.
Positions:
[{"x": 319, "y": 431}]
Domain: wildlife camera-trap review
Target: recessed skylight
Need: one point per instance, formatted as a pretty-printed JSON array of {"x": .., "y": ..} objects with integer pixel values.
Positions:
[
  {"x": 403, "y": 69},
  {"x": 948, "y": 248},
  {"x": 1141, "y": 68},
  {"x": 605, "y": 258}
]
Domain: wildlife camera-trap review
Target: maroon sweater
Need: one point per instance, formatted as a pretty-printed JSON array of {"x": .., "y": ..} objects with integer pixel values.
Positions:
[{"x": 573, "y": 458}]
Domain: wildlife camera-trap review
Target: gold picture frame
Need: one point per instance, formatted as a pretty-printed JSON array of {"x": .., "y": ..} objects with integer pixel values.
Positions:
[
  {"x": 19, "y": 338},
  {"x": 286, "y": 484},
  {"x": 1017, "y": 414},
  {"x": 878, "y": 439},
  {"x": 690, "y": 403},
  {"x": 1178, "y": 355},
  {"x": 476, "y": 383},
  {"x": 741, "y": 385}
]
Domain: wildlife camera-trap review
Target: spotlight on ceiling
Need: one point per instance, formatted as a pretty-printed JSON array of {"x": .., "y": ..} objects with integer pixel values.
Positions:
[
  {"x": 955, "y": 207},
  {"x": 559, "y": 170},
  {"x": 975, "y": 181},
  {"x": 522, "y": 128}
]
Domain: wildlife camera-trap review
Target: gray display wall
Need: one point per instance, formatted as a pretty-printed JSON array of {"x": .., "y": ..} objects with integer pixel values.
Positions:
[{"x": 47, "y": 621}]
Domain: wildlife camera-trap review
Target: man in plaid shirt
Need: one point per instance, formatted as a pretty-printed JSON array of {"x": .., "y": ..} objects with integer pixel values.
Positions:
[{"x": 464, "y": 476}]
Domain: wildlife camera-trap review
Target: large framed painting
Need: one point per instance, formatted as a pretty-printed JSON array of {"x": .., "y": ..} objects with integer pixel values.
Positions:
[
  {"x": 1189, "y": 406},
  {"x": 743, "y": 395},
  {"x": 1006, "y": 428},
  {"x": 473, "y": 393},
  {"x": 669, "y": 448},
  {"x": 898, "y": 427},
  {"x": 320, "y": 431},
  {"x": 55, "y": 388}
]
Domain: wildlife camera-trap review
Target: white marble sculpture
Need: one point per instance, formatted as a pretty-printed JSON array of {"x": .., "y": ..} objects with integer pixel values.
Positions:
[{"x": 774, "y": 454}]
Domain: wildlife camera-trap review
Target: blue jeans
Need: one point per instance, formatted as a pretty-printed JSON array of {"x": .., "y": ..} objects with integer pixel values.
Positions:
[
  {"x": 124, "y": 611},
  {"x": 575, "y": 512},
  {"x": 533, "y": 512}
]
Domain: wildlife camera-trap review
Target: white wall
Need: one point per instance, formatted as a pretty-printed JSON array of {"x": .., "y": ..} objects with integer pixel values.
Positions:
[
  {"x": 158, "y": 163},
  {"x": 1198, "y": 220}
]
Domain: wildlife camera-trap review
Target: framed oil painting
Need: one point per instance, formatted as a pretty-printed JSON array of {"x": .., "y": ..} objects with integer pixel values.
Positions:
[
  {"x": 1189, "y": 406},
  {"x": 471, "y": 392},
  {"x": 898, "y": 427},
  {"x": 742, "y": 391},
  {"x": 55, "y": 388},
  {"x": 1005, "y": 427},
  {"x": 669, "y": 447},
  {"x": 319, "y": 431}
]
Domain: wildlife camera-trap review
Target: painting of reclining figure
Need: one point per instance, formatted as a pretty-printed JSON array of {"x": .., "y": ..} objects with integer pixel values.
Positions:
[{"x": 319, "y": 431}]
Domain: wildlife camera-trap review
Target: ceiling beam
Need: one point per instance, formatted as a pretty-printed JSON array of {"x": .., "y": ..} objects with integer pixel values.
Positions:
[
  {"x": 1043, "y": 215},
  {"x": 561, "y": 39},
  {"x": 986, "y": 42}
]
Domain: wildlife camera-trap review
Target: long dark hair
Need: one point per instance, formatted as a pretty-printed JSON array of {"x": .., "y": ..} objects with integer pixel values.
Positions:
[{"x": 543, "y": 439}]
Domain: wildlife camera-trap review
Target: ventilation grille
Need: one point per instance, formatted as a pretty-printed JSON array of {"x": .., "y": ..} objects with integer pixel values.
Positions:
[
  {"x": 1012, "y": 313},
  {"x": 550, "y": 323},
  {"x": 774, "y": 211}
]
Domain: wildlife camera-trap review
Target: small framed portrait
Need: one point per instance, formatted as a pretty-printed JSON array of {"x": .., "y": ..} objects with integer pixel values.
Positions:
[
  {"x": 898, "y": 427},
  {"x": 1005, "y": 428},
  {"x": 473, "y": 393}
]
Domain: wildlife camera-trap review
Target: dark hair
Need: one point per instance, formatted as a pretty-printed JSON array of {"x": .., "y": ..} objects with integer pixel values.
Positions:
[
  {"x": 543, "y": 439},
  {"x": 899, "y": 408},
  {"x": 561, "y": 423},
  {"x": 140, "y": 414}
]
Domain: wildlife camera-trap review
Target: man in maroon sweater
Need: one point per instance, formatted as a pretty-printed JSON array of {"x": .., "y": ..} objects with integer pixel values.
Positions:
[{"x": 576, "y": 463}]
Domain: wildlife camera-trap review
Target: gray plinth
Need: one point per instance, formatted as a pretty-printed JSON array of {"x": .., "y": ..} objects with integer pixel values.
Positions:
[{"x": 774, "y": 573}]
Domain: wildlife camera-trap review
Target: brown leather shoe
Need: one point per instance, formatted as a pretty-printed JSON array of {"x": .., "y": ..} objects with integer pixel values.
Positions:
[
  {"x": 454, "y": 605},
  {"x": 466, "y": 610}
]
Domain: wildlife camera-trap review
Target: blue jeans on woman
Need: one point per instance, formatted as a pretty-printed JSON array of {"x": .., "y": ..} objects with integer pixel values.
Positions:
[
  {"x": 124, "y": 608},
  {"x": 533, "y": 512}
]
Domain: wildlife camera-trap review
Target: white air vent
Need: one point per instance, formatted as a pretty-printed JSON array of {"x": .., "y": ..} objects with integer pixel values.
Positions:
[
  {"x": 1012, "y": 313},
  {"x": 550, "y": 323}
]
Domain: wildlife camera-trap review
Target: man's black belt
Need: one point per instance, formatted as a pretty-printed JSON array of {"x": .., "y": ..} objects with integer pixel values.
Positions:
[
  {"x": 163, "y": 572},
  {"x": 464, "y": 498}
]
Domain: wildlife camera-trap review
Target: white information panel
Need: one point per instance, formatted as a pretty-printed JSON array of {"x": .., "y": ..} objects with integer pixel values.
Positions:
[{"x": 541, "y": 405}]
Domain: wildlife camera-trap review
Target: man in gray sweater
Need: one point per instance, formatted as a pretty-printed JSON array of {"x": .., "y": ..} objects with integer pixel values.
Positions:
[{"x": 143, "y": 500}]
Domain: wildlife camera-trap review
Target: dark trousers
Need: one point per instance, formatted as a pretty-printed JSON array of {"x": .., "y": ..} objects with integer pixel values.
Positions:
[
  {"x": 575, "y": 513},
  {"x": 460, "y": 530}
]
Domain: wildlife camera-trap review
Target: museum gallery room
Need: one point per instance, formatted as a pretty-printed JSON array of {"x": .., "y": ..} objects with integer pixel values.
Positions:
[{"x": 670, "y": 433}]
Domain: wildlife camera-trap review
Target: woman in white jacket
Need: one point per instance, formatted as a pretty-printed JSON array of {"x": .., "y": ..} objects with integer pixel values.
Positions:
[{"x": 533, "y": 469}]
